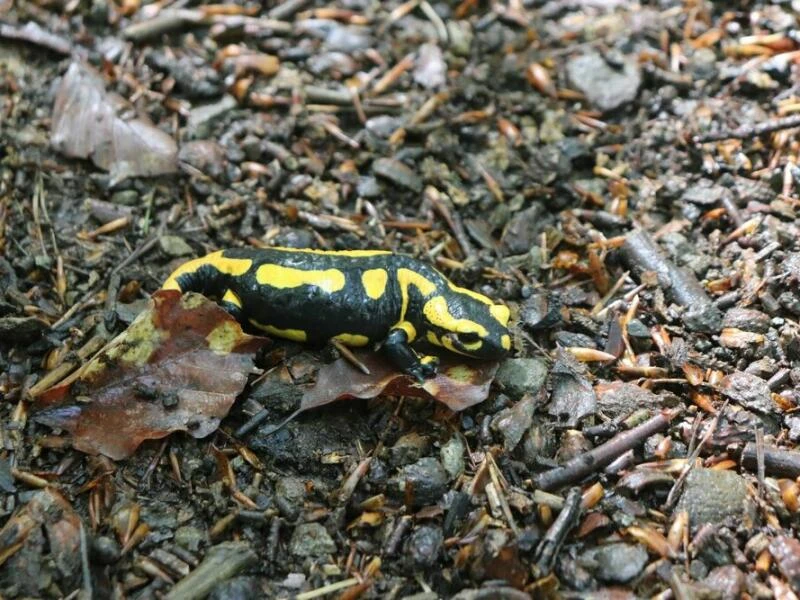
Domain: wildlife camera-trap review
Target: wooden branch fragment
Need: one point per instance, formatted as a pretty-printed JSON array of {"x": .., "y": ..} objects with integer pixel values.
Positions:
[
  {"x": 579, "y": 467},
  {"x": 777, "y": 462},
  {"x": 548, "y": 548},
  {"x": 642, "y": 254},
  {"x": 750, "y": 131}
]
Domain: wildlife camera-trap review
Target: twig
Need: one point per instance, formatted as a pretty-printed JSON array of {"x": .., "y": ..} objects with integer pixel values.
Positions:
[
  {"x": 749, "y": 131},
  {"x": 672, "y": 497},
  {"x": 642, "y": 254},
  {"x": 86, "y": 572},
  {"x": 579, "y": 467},
  {"x": 777, "y": 462},
  {"x": 551, "y": 543}
]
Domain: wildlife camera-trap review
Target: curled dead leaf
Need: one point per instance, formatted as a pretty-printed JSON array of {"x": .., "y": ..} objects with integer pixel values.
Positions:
[{"x": 179, "y": 366}]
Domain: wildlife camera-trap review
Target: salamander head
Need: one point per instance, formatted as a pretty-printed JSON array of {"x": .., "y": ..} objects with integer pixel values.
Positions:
[{"x": 467, "y": 323}]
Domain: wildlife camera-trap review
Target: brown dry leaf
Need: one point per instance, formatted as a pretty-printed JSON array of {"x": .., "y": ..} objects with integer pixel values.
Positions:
[
  {"x": 179, "y": 366},
  {"x": 459, "y": 383},
  {"x": 88, "y": 122},
  {"x": 40, "y": 536}
]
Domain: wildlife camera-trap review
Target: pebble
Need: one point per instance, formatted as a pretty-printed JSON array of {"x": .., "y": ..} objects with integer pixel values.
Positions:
[
  {"x": 408, "y": 449},
  {"x": 311, "y": 539},
  {"x": 424, "y": 545},
  {"x": 606, "y": 87},
  {"x": 190, "y": 537},
  {"x": 207, "y": 156},
  {"x": 748, "y": 390},
  {"x": 398, "y": 173},
  {"x": 105, "y": 550},
  {"x": 430, "y": 70},
  {"x": 452, "y": 456},
  {"x": 427, "y": 478},
  {"x": 126, "y": 197},
  {"x": 617, "y": 563},
  {"x": 289, "y": 495},
  {"x": 174, "y": 246},
  {"x": 747, "y": 319},
  {"x": 520, "y": 376},
  {"x": 624, "y": 399},
  {"x": 238, "y": 588},
  {"x": 727, "y": 580},
  {"x": 712, "y": 495},
  {"x": 513, "y": 422}
]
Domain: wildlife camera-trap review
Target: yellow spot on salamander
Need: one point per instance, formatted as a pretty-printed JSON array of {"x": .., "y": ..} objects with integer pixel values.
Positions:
[
  {"x": 232, "y": 298},
  {"x": 411, "y": 332},
  {"x": 352, "y": 339},
  {"x": 353, "y": 253},
  {"x": 472, "y": 346},
  {"x": 437, "y": 313},
  {"x": 374, "y": 282},
  {"x": 329, "y": 280},
  {"x": 406, "y": 278},
  {"x": 229, "y": 266},
  {"x": 296, "y": 335},
  {"x": 470, "y": 293},
  {"x": 505, "y": 342},
  {"x": 501, "y": 313},
  {"x": 433, "y": 339}
]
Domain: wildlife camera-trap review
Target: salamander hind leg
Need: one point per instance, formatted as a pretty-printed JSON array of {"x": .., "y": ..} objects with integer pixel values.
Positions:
[{"x": 405, "y": 359}]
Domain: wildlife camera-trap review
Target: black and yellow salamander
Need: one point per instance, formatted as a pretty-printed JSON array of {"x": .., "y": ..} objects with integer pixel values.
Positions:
[{"x": 358, "y": 297}]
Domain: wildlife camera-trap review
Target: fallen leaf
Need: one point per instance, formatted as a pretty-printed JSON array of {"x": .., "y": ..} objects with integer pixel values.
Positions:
[
  {"x": 40, "y": 541},
  {"x": 459, "y": 382},
  {"x": 179, "y": 366},
  {"x": 88, "y": 122}
]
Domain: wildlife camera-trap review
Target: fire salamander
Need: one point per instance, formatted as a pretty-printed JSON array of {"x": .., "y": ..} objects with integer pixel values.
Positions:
[{"x": 358, "y": 297}]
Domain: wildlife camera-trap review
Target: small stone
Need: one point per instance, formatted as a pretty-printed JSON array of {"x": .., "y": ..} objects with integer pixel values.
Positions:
[
  {"x": 424, "y": 545},
  {"x": 174, "y": 246},
  {"x": 126, "y": 198},
  {"x": 727, "y": 580},
  {"x": 606, "y": 87},
  {"x": 747, "y": 319},
  {"x": 624, "y": 399},
  {"x": 427, "y": 479},
  {"x": 703, "y": 63},
  {"x": 704, "y": 193},
  {"x": 21, "y": 329},
  {"x": 398, "y": 173},
  {"x": 311, "y": 539},
  {"x": 408, "y": 449},
  {"x": 513, "y": 422},
  {"x": 617, "y": 563},
  {"x": 105, "y": 550},
  {"x": 238, "y": 588},
  {"x": 710, "y": 496},
  {"x": 207, "y": 156},
  {"x": 452, "y": 455},
  {"x": 748, "y": 390},
  {"x": 7, "y": 479},
  {"x": 191, "y": 538},
  {"x": 430, "y": 67},
  {"x": 289, "y": 495},
  {"x": 520, "y": 376}
]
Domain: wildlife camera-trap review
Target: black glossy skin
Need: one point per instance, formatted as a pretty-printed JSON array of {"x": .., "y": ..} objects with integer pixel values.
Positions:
[{"x": 323, "y": 315}]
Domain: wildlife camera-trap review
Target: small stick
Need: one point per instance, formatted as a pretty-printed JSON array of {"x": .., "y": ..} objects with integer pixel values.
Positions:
[
  {"x": 750, "y": 131},
  {"x": 350, "y": 357},
  {"x": 579, "y": 467},
  {"x": 777, "y": 461},
  {"x": 551, "y": 543}
]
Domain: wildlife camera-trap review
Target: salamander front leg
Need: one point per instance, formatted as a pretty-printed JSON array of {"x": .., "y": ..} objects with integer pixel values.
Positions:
[{"x": 405, "y": 359}]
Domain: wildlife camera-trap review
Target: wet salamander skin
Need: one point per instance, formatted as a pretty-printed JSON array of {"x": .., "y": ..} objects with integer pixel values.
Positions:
[{"x": 358, "y": 297}]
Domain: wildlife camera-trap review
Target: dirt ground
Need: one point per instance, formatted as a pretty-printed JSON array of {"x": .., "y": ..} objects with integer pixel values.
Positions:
[{"x": 622, "y": 175}]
